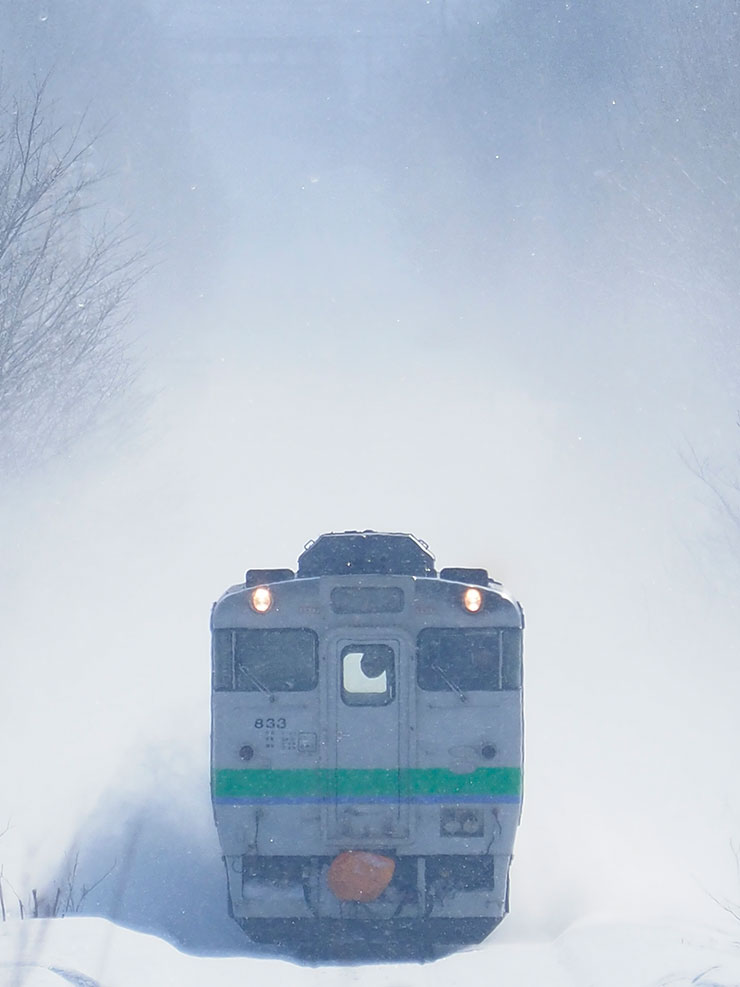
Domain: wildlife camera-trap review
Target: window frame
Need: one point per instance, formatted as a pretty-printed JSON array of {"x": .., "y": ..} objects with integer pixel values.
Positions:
[
  {"x": 368, "y": 699},
  {"x": 507, "y": 663},
  {"x": 219, "y": 666}
]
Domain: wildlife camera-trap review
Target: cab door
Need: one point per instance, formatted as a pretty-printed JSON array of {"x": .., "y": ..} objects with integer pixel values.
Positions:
[{"x": 368, "y": 722}]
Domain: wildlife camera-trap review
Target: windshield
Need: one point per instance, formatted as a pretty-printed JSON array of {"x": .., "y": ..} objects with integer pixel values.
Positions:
[
  {"x": 265, "y": 660},
  {"x": 476, "y": 660}
]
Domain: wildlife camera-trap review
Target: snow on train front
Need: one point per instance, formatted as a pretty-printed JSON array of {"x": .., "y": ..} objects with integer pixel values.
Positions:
[{"x": 367, "y": 747}]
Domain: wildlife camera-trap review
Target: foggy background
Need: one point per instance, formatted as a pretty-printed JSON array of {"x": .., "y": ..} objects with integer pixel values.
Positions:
[{"x": 467, "y": 270}]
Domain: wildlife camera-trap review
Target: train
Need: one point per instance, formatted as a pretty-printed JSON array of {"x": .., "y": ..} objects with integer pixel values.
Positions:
[{"x": 367, "y": 749}]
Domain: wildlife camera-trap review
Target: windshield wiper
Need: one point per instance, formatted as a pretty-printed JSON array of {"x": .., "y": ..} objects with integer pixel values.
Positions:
[
  {"x": 453, "y": 686},
  {"x": 255, "y": 681}
]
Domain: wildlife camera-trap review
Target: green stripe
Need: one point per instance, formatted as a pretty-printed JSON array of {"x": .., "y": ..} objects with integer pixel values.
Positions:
[{"x": 359, "y": 782}]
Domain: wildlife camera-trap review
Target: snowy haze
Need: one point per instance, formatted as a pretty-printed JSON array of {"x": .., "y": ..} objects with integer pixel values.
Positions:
[{"x": 471, "y": 279}]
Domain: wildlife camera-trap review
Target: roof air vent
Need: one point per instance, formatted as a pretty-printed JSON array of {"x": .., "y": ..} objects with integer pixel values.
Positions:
[{"x": 351, "y": 553}]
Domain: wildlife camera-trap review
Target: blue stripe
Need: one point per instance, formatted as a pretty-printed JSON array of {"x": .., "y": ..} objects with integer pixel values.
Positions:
[{"x": 376, "y": 800}]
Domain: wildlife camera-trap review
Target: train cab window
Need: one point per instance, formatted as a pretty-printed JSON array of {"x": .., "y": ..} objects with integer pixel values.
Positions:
[
  {"x": 265, "y": 660},
  {"x": 511, "y": 659},
  {"x": 461, "y": 660},
  {"x": 368, "y": 674}
]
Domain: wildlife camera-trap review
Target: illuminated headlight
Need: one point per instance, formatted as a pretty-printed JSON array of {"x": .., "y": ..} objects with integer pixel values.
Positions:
[
  {"x": 261, "y": 599},
  {"x": 460, "y": 821},
  {"x": 472, "y": 599}
]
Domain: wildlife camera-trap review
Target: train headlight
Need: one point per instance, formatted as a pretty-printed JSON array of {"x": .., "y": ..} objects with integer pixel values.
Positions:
[
  {"x": 261, "y": 599},
  {"x": 472, "y": 599}
]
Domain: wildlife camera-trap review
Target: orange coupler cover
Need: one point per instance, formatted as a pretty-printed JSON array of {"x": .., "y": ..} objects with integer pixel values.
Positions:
[{"x": 359, "y": 876}]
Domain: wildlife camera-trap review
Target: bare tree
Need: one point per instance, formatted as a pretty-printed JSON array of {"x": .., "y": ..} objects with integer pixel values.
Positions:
[
  {"x": 64, "y": 287},
  {"x": 63, "y": 896}
]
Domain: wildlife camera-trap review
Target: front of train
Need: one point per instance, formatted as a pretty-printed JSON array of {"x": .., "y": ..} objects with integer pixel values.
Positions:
[{"x": 367, "y": 746}]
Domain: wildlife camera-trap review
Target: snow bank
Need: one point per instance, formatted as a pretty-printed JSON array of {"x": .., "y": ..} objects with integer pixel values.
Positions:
[{"x": 92, "y": 952}]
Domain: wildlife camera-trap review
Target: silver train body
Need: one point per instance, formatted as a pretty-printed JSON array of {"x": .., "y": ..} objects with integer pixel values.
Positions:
[{"x": 367, "y": 705}]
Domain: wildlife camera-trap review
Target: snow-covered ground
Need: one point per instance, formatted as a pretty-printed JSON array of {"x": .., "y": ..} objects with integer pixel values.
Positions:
[{"x": 92, "y": 952}]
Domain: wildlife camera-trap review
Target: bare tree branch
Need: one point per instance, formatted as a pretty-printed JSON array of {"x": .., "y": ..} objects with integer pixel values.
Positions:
[
  {"x": 87, "y": 890},
  {"x": 65, "y": 285},
  {"x": 724, "y": 487}
]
